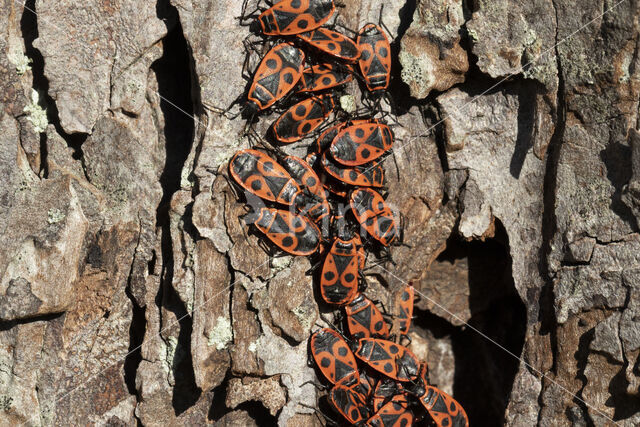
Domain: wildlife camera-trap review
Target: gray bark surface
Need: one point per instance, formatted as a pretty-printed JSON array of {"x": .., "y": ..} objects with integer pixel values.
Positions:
[{"x": 132, "y": 292}]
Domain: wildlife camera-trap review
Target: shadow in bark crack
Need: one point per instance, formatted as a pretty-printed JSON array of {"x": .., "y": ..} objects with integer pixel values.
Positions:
[
  {"x": 29, "y": 29},
  {"x": 617, "y": 159},
  {"x": 484, "y": 372},
  {"x": 173, "y": 74},
  {"x": 527, "y": 112}
]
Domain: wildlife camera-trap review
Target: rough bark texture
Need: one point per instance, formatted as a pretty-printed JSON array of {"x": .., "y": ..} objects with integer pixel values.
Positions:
[{"x": 130, "y": 290}]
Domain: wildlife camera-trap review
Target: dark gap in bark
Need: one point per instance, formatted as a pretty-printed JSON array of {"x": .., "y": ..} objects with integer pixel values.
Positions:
[
  {"x": 546, "y": 314},
  {"x": 29, "y": 28},
  {"x": 6, "y": 325},
  {"x": 137, "y": 331},
  {"x": 626, "y": 405},
  {"x": 218, "y": 407},
  {"x": 173, "y": 74},
  {"x": 527, "y": 92},
  {"x": 581, "y": 356},
  {"x": 617, "y": 159},
  {"x": 399, "y": 91},
  {"x": 433, "y": 119},
  {"x": 44, "y": 154},
  {"x": 484, "y": 372},
  {"x": 255, "y": 409}
]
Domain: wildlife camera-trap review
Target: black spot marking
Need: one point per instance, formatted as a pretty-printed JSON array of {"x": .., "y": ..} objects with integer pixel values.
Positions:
[
  {"x": 359, "y": 133},
  {"x": 369, "y": 221},
  {"x": 329, "y": 275},
  {"x": 303, "y": 23},
  {"x": 380, "y": 205},
  {"x": 353, "y": 175},
  {"x": 355, "y": 414},
  {"x": 272, "y": 63},
  {"x": 393, "y": 349},
  {"x": 405, "y": 296},
  {"x": 331, "y": 46},
  {"x": 311, "y": 181},
  {"x": 388, "y": 368},
  {"x": 268, "y": 166},
  {"x": 288, "y": 78},
  {"x": 306, "y": 128},
  {"x": 342, "y": 351},
  {"x": 301, "y": 110},
  {"x": 378, "y": 326},
  {"x": 287, "y": 241},
  {"x": 326, "y": 81},
  {"x": 403, "y": 422},
  {"x": 325, "y": 362},
  {"x": 445, "y": 422},
  {"x": 295, "y": 4},
  {"x": 256, "y": 185},
  {"x": 365, "y": 153},
  {"x": 383, "y": 52},
  {"x": 365, "y": 55},
  {"x": 349, "y": 277}
]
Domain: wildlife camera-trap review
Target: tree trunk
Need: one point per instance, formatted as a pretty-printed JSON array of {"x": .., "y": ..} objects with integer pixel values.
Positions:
[{"x": 132, "y": 291}]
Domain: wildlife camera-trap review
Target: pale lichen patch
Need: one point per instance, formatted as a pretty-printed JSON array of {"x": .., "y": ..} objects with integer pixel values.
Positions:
[
  {"x": 54, "y": 216},
  {"x": 20, "y": 60},
  {"x": 36, "y": 115},
  {"x": 221, "y": 334}
]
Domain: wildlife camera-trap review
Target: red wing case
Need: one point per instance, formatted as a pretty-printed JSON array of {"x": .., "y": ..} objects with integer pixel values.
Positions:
[
  {"x": 393, "y": 360},
  {"x": 339, "y": 279},
  {"x": 303, "y": 118},
  {"x": 261, "y": 175},
  {"x": 375, "y": 57},
  {"x": 361, "y": 143},
  {"x": 289, "y": 17},
  {"x": 324, "y": 76},
  {"x": 294, "y": 234},
  {"x": 278, "y": 73},
  {"x": 332, "y": 43},
  {"x": 333, "y": 356},
  {"x": 374, "y": 215}
]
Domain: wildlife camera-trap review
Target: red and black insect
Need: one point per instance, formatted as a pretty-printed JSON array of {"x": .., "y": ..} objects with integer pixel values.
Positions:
[
  {"x": 332, "y": 43},
  {"x": 348, "y": 400},
  {"x": 364, "y": 320},
  {"x": 404, "y": 308},
  {"x": 339, "y": 279},
  {"x": 289, "y": 17},
  {"x": 361, "y": 142},
  {"x": 277, "y": 74},
  {"x": 367, "y": 383},
  {"x": 261, "y": 175},
  {"x": 360, "y": 176},
  {"x": 394, "y": 413},
  {"x": 302, "y": 118},
  {"x": 333, "y": 356},
  {"x": 316, "y": 205},
  {"x": 326, "y": 138},
  {"x": 393, "y": 360},
  {"x": 324, "y": 76},
  {"x": 374, "y": 215},
  {"x": 384, "y": 390},
  {"x": 375, "y": 57},
  {"x": 443, "y": 409},
  {"x": 294, "y": 234}
]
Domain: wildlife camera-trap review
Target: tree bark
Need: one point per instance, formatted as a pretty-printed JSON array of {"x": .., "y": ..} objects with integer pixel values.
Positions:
[{"x": 131, "y": 290}]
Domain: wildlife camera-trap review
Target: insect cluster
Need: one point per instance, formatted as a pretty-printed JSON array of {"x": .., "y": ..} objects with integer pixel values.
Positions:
[{"x": 329, "y": 204}]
